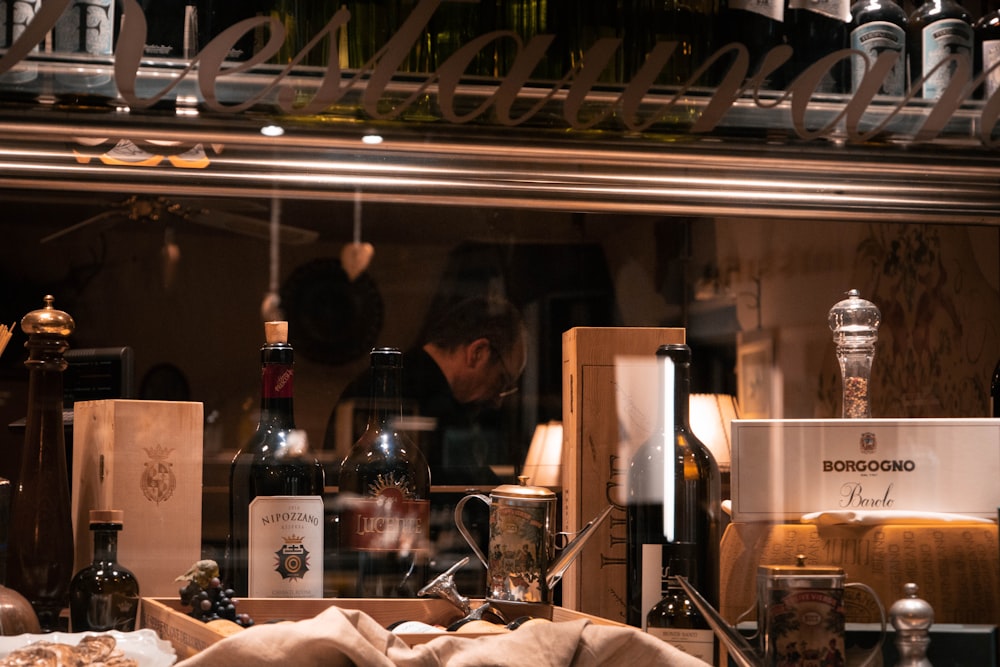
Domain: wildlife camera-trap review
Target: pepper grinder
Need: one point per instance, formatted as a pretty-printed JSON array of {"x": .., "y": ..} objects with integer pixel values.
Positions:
[
  {"x": 912, "y": 618},
  {"x": 854, "y": 322},
  {"x": 40, "y": 550}
]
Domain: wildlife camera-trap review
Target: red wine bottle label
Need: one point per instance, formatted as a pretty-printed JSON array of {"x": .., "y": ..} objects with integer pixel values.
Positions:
[
  {"x": 277, "y": 380},
  {"x": 834, "y": 9},
  {"x": 772, "y": 9},
  {"x": 286, "y": 547},
  {"x": 388, "y": 522}
]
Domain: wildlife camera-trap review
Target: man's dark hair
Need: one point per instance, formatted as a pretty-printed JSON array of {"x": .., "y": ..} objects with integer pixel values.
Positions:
[{"x": 476, "y": 317}]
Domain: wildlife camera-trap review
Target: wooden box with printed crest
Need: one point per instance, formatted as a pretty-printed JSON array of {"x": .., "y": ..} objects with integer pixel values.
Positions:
[{"x": 145, "y": 458}]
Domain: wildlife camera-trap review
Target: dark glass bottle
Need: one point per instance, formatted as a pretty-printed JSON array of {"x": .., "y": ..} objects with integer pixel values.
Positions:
[
  {"x": 174, "y": 28},
  {"x": 105, "y": 594},
  {"x": 817, "y": 28},
  {"x": 676, "y": 620},
  {"x": 385, "y": 493},
  {"x": 758, "y": 25},
  {"x": 454, "y": 24},
  {"x": 877, "y": 27},
  {"x": 689, "y": 23},
  {"x": 679, "y": 536},
  {"x": 995, "y": 392},
  {"x": 986, "y": 33},
  {"x": 937, "y": 29},
  {"x": 276, "y": 492},
  {"x": 40, "y": 563}
]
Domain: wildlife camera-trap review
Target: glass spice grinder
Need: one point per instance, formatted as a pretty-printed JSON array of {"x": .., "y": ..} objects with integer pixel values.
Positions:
[{"x": 854, "y": 322}]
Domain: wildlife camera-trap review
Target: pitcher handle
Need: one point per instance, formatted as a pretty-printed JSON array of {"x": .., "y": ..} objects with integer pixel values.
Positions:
[
  {"x": 460, "y": 524},
  {"x": 877, "y": 650}
]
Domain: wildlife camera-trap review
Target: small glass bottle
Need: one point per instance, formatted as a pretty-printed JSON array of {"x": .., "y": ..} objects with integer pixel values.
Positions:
[
  {"x": 854, "y": 322},
  {"x": 104, "y": 595},
  {"x": 675, "y": 619}
]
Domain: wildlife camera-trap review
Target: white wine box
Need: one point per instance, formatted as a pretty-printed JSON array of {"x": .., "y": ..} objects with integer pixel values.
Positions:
[
  {"x": 785, "y": 468},
  {"x": 609, "y": 409},
  {"x": 145, "y": 458}
]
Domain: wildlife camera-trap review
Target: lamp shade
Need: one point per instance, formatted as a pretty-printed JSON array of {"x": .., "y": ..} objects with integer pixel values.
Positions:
[
  {"x": 710, "y": 417},
  {"x": 543, "y": 464}
]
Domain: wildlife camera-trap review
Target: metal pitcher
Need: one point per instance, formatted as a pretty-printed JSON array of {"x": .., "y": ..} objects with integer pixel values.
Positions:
[
  {"x": 522, "y": 565},
  {"x": 800, "y": 617}
]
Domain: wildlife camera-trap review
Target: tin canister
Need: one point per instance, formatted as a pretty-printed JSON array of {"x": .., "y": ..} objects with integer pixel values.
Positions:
[
  {"x": 521, "y": 544},
  {"x": 800, "y": 612}
]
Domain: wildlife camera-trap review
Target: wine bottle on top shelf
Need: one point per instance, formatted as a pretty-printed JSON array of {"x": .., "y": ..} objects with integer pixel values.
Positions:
[
  {"x": 760, "y": 26},
  {"x": 877, "y": 27},
  {"x": 815, "y": 29},
  {"x": 174, "y": 28},
  {"x": 385, "y": 493},
  {"x": 690, "y": 24},
  {"x": 275, "y": 492},
  {"x": 938, "y": 30},
  {"x": 105, "y": 594},
  {"x": 673, "y": 513},
  {"x": 986, "y": 33}
]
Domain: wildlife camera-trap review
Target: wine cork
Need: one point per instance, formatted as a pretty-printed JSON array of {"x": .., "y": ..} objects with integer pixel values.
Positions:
[
  {"x": 107, "y": 516},
  {"x": 276, "y": 332}
]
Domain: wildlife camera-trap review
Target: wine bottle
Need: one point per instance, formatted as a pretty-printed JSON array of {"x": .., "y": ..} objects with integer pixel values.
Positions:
[
  {"x": 879, "y": 26},
  {"x": 373, "y": 23},
  {"x": 105, "y": 594},
  {"x": 40, "y": 557},
  {"x": 814, "y": 29},
  {"x": 385, "y": 493},
  {"x": 937, "y": 29},
  {"x": 275, "y": 492},
  {"x": 673, "y": 510},
  {"x": 995, "y": 392},
  {"x": 174, "y": 28},
  {"x": 689, "y": 23},
  {"x": 986, "y": 32},
  {"x": 760, "y": 26},
  {"x": 675, "y": 619},
  {"x": 454, "y": 24}
]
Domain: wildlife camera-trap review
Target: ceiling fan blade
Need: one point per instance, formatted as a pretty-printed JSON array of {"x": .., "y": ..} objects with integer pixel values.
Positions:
[
  {"x": 248, "y": 226},
  {"x": 83, "y": 223}
]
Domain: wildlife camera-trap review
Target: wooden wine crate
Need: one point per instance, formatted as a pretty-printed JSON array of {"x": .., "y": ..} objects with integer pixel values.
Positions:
[
  {"x": 169, "y": 618},
  {"x": 145, "y": 458},
  {"x": 609, "y": 409}
]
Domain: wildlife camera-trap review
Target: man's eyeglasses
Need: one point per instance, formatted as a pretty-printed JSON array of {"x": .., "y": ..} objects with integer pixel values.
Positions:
[{"x": 509, "y": 381}]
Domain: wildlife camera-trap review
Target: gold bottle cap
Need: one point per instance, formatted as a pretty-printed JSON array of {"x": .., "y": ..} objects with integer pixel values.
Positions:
[
  {"x": 276, "y": 332},
  {"x": 47, "y": 321},
  {"x": 107, "y": 516}
]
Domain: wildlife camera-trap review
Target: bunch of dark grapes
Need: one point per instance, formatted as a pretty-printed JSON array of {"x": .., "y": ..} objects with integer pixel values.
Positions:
[{"x": 213, "y": 602}]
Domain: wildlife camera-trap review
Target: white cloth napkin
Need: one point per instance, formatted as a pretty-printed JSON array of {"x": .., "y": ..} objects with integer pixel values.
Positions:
[
  {"x": 345, "y": 637},
  {"x": 876, "y": 517}
]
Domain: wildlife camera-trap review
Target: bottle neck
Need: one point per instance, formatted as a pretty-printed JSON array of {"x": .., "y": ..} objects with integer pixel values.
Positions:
[
  {"x": 386, "y": 406},
  {"x": 680, "y": 389},
  {"x": 106, "y": 542},
  {"x": 277, "y": 387}
]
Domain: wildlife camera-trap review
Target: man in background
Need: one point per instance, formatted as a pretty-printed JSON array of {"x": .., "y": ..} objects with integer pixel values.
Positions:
[{"x": 470, "y": 358}]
